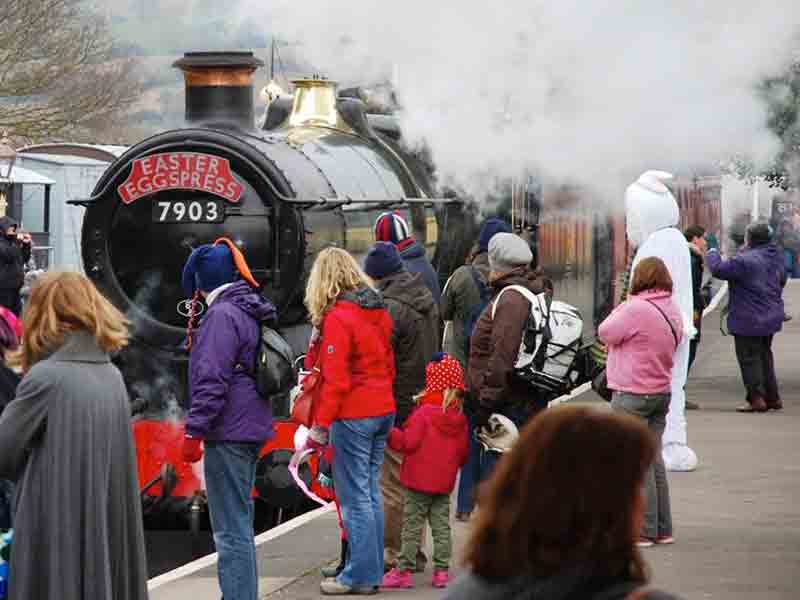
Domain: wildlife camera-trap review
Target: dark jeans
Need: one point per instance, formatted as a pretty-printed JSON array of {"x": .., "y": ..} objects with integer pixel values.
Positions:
[
  {"x": 758, "y": 367},
  {"x": 360, "y": 445},
  {"x": 230, "y": 470},
  {"x": 653, "y": 409},
  {"x": 471, "y": 473}
]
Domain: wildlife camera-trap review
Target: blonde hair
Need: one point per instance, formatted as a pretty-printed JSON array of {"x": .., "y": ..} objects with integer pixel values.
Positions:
[
  {"x": 334, "y": 271},
  {"x": 64, "y": 301},
  {"x": 449, "y": 397}
]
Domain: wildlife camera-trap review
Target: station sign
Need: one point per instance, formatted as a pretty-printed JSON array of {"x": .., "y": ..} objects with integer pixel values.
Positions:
[{"x": 180, "y": 171}]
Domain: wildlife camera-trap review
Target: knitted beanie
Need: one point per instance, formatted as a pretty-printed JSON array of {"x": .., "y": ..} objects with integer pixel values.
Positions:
[
  {"x": 508, "y": 251},
  {"x": 382, "y": 259},
  {"x": 391, "y": 227},
  {"x": 489, "y": 229},
  {"x": 207, "y": 268},
  {"x": 442, "y": 373}
]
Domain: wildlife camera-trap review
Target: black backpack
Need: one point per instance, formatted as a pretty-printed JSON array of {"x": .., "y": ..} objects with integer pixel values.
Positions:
[
  {"x": 469, "y": 324},
  {"x": 274, "y": 365}
]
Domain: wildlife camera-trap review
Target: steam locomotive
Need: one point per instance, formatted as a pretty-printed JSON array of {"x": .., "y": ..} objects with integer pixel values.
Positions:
[{"x": 318, "y": 173}]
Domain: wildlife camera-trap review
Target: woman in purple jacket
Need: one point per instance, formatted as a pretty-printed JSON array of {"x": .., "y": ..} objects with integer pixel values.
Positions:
[
  {"x": 227, "y": 415},
  {"x": 756, "y": 277}
]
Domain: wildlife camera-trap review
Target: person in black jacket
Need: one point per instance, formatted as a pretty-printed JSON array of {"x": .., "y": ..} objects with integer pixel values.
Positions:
[
  {"x": 695, "y": 235},
  {"x": 15, "y": 251},
  {"x": 415, "y": 339}
]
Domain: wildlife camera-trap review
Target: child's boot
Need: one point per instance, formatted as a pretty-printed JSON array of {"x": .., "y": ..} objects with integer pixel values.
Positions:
[
  {"x": 398, "y": 578},
  {"x": 441, "y": 577}
]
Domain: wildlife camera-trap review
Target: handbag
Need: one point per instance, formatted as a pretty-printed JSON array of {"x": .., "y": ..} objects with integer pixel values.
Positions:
[
  {"x": 599, "y": 353},
  {"x": 302, "y": 396}
]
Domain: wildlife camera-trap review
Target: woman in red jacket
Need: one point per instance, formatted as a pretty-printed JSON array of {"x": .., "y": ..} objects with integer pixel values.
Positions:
[
  {"x": 355, "y": 404},
  {"x": 435, "y": 445}
]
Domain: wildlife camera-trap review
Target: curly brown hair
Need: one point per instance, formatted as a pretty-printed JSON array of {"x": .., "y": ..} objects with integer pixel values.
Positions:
[{"x": 567, "y": 494}]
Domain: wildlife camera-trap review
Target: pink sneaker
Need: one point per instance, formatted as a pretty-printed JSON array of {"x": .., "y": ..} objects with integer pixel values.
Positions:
[
  {"x": 397, "y": 578},
  {"x": 441, "y": 577}
]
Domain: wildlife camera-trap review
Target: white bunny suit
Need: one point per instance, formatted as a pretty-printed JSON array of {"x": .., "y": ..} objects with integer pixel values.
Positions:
[{"x": 651, "y": 216}]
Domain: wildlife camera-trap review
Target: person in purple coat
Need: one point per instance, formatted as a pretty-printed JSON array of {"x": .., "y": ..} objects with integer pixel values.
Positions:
[
  {"x": 756, "y": 277},
  {"x": 227, "y": 416}
]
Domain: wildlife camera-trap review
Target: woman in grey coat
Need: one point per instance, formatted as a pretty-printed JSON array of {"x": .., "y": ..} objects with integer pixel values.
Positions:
[{"x": 66, "y": 440}]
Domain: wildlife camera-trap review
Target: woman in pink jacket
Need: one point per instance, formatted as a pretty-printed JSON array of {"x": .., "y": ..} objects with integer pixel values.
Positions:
[{"x": 642, "y": 334}]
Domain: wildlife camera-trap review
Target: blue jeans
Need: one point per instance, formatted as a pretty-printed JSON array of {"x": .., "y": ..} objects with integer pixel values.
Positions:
[
  {"x": 472, "y": 473},
  {"x": 230, "y": 470},
  {"x": 360, "y": 444}
]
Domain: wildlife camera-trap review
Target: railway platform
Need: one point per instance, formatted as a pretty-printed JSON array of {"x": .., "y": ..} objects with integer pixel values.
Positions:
[{"x": 737, "y": 521}]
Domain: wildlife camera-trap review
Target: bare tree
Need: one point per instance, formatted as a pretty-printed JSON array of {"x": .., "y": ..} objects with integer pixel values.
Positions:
[{"x": 58, "y": 75}]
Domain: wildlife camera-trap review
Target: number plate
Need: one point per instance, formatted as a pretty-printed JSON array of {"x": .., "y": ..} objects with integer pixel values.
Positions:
[{"x": 188, "y": 211}]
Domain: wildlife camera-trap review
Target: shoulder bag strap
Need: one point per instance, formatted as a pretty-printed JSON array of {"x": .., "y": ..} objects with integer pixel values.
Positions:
[
  {"x": 663, "y": 314},
  {"x": 529, "y": 296}
]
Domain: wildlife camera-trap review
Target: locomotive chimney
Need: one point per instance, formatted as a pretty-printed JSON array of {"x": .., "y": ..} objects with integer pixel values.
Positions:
[{"x": 219, "y": 88}]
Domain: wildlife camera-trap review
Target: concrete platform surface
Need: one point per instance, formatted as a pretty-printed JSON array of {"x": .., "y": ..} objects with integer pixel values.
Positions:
[{"x": 737, "y": 523}]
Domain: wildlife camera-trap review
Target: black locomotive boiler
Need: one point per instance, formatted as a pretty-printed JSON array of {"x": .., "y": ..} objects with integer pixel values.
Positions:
[{"x": 319, "y": 173}]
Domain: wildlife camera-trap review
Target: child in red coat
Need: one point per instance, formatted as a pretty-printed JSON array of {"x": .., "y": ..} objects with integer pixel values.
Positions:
[{"x": 434, "y": 444}]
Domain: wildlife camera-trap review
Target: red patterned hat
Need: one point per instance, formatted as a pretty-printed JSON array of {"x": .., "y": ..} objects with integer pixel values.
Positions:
[{"x": 442, "y": 373}]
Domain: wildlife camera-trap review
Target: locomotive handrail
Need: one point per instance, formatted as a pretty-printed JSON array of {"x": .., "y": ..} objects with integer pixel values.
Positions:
[{"x": 336, "y": 201}]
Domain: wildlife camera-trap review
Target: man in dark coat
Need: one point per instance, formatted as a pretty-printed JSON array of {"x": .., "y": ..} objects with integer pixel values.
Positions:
[
  {"x": 496, "y": 341},
  {"x": 756, "y": 277},
  {"x": 391, "y": 227},
  {"x": 464, "y": 296},
  {"x": 227, "y": 414},
  {"x": 462, "y": 293},
  {"x": 415, "y": 339},
  {"x": 695, "y": 235},
  {"x": 15, "y": 251}
]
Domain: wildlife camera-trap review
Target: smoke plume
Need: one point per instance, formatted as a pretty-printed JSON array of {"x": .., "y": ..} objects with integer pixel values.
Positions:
[{"x": 582, "y": 91}]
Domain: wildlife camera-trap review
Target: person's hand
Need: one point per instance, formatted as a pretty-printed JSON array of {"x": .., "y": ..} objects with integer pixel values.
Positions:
[
  {"x": 192, "y": 449},
  {"x": 317, "y": 438}
]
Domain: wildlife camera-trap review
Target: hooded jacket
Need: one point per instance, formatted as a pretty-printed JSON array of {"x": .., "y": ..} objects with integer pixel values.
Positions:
[
  {"x": 415, "y": 261},
  {"x": 641, "y": 345},
  {"x": 435, "y": 445},
  {"x": 415, "y": 334},
  {"x": 494, "y": 345},
  {"x": 460, "y": 298},
  {"x": 652, "y": 215},
  {"x": 13, "y": 256},
  {"x": 756, "y": 277},
  {"x": 225, "y": 403},
  {"x": 354, "y": 354}
]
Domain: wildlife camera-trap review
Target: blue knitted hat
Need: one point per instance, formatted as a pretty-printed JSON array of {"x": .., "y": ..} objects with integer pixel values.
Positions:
[
  {"x": 207, "y": 268},
  {"x": 489, "y": 229},
  {"x": 382, "y": 259}
]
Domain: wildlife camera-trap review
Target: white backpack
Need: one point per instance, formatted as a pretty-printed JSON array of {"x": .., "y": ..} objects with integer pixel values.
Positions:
[{"x": 550, "y": 342}]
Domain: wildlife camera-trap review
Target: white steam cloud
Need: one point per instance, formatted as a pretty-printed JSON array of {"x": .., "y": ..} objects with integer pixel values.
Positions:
[{"x": 582, "y": 90}]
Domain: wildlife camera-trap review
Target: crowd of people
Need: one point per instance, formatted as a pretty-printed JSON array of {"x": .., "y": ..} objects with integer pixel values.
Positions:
[{"x": 407, "y": 374}]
